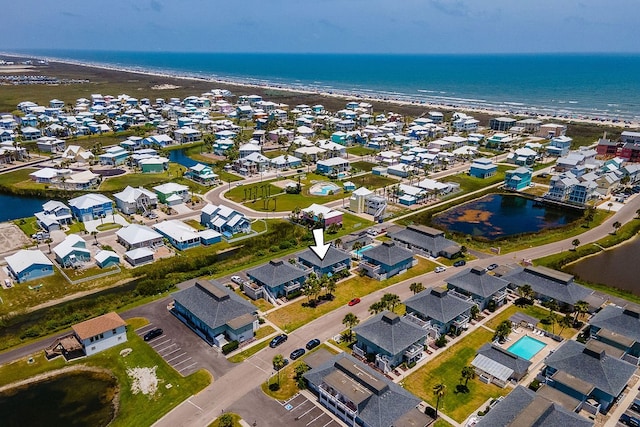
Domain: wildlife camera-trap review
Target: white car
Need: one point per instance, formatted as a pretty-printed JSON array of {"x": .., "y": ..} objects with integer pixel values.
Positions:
[
  {"x": 440, "y": 269},
  {"x": 237, "y": 279}
]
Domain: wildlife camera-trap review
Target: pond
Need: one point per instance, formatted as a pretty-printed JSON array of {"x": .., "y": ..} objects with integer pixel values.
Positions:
[
  {"x": 180, "y": 157},
  {"x": 502, "y": 215},
  {"x": 77, "y": 398},
  {"x": 14, "y": 207},
  {"x": 611, "y": 267}
]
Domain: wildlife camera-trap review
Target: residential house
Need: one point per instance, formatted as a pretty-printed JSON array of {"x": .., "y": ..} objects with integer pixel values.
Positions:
[
  {"x": 114, "y": 156},
  {"x": 619, "y": 329},
  {"x": 392, "y": 339},
  {"x": 105, "y": 258},
  {"x": 310, "y": 154},
  {"x": 607, "y": 148},
  {"x": 246, "y": 149},
  {"x": 366, "y": 201},
  {"x": 101, "y": 333},
  {"x": 587, "y": 373},
  {"x": 48, "y": 144},
  {"x": 631, "y": 152},
  {"x": 525, "y": 407},
  {"x": 551, "y": 130},
  {"x": 215, "y": 313},
  {"x": 72, "y": 251},
  {"x": 559, "y": 146},
  {"x": 321, "y": 214},
  {"x": 483, "y": 168},
  {"x": 30, "y": 133},
  {"x": 154, "y": 164},
  {"x": 53, "y": 216},
  {"x": 136, "y": 236},
  {"x": 464, "y": 123},
  {"x": 202, "y": 174},
  {"x": 334, "y": 261},
  {"x": 172, "y": 193},
  {"x": 91, "y": 206},
  {"x": 494, "y": 364},
  {"x": 224, "y": 220},
  {"x": 628, "y": 137},
  {"x": 499, "y": 140},
  {"x": 522, "y": 157},
  {"x": 359, "y": 395},
  {"x": 386, "y": 260},
  {"x": 483, "y": 288},
  {"x": 426, "y": 240},
  {"x": 179, "y": 234},
  {"x": 83, "y": 180},
  {"x": 285, "y": 162},
  {"x": 139, "y": 256},
  {"x": 75, "y": 153},
  {"x": 278, "y": 278},
  {"x": 132, "y": 200},
  {"x": 502, "y": 124},
  {"x": 567, "y": 188},
  {"x": 531, "y": 126},
  {"x": 517, "y": 179},
  {"x": 186, "y": 134},
  {"x": 548, "y": 284},
  {"x": 26, "y": 265},
  {"x": 333, "y": 166},
  {"x": 438, "y": 311}
]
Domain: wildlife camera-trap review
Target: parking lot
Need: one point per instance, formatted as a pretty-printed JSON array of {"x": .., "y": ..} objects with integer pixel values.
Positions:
[
  {"x": 301, "y": 411},
  {"x": 171, "y": 351}
]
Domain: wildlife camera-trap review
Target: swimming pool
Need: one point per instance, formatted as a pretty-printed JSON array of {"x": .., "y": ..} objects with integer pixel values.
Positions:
[
  {"x": 526, "y": 347},
  {"x": 363, "y": 249},
  {"x": 324, "y": 188}
]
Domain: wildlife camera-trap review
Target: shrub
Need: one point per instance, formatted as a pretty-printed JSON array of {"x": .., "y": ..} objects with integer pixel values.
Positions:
[
  {"x": 274, "y": 249},
  {"x": 294, "y": 294},
  {"x": 230, "y": 346},
  {"x": 535, "y": 385},
  {"x": 261, "y": 321},
  {"x": 441, "y": 342}
]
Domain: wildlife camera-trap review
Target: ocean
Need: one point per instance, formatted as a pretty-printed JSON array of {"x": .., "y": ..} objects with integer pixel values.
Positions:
[{"x": 568, "y": 85}]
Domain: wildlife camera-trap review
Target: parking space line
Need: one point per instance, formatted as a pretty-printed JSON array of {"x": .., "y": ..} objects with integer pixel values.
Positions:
[
  {"x": 186, "y": 367},
  {"x": 330, "y": 421},
  {"x": 174, "y": 358},
  {"x": 314, "y": 420},
  {"x": 145, "y": 326},
  {"x": 171, "y": 352},
  {"x": 160, "y": 343},
  {"x": 302, "y": 415},
  {"x": 173, "y": 344},
  {"x": 180, "y": 363},
  {"x": 199, "y": 408},
  {"x": 300, "y": 405}
]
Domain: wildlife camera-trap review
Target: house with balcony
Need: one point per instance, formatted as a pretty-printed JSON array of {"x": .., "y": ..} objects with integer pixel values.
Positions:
[
  {"x": 548, "y": 284},
  {"x": 332, "y": 166},
  {"x": 278, "y": 278},
  {"x": 224, "y": 220},
  {"x": 172, "y": 193},
  {"x": 215, "y": 313},
  {"x": 619, "y": 329},
  {"x": 393, "y": 339},
  {"x": 494, "y": 364},
  {"x": 186, "y": 135},
  {"x": 333, "y": 262},
  {"x": 502, "y": 124},
  {"x": 480, "y": 286},
  {"x": 285, "y": 162},
  {"x": 135, "y": 236},
  {"x": 114, "y": 156},
  {"x": 426, "y": 240},
  {"x": 439, "y": 311},
  {"x": 26, "y": 265},
  {"x": 72, "y": 252},
  {"x": 91, "y": 206},
  {"x": 499, "y": 140},
  {"x": 386, "y": 260},
  {"x": 132, "y": 200},
  {"x": 321, "y": 214},
  {"x": 483, "y": 168},
  {"x": 586, "y": 373},
  {"x": 54, "y": 216},
  {"x": 559, "y": 146},
  {"x": 49, "y": 144},
  {"x": 179, "y": 234},
  {"x": 517, "y": 179},
  {"x": 202, "y": 174},
  {"x": 359, "y": 395},
  {"x": 522, "y": 157},
  {"x": 101, "y": 333}
]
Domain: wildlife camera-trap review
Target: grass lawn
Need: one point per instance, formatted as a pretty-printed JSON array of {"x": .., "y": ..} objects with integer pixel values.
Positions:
[
  {"x": 358, "y": 150},
  {"x": 535, "y": 311},
  {"x": 118, "y": 183},
  {"x": 28, "y": 225},
  {"x": 14, "y": 177},
  {"x": 272, "y": 154},
  {"x": 363, "y": 166},
  {"x": 129, "y": 413},
  {"x": 235, "y": 418},
  {"x": 470, "y": 183},
  {"x": 74, "y": 274},
  {"x": 446, "y": 369},
  {"x": 441, "y": 423},
  {"x": 264, "y": 331},
  {"x": 372, "y": 181},
  {"x": 293, "y": 316},
  {"x": 245, "y": 354},
  {"x": 195, "y": 224},
  {"x": 288, "y": 385},
  {"x": 76, "y": 227},
  {"x": 108, "y": 226}
]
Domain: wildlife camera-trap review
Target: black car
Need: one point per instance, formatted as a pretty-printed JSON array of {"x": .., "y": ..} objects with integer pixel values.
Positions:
[
  {"x": 313, "y": 344},
  {"x": 459, "y": 263},
  {"x": 298, "y": 352},
  {"x": 277, "y": 340},
  {"x": 154, "y": 333}
]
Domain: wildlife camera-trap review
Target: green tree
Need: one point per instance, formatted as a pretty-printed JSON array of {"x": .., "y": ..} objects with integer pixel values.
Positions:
[
  {"x": 331, "y": 286},
  {"x": 390, "y": 301},
  {"x": 553, "y": 319},
  {"x": 278, "y": 363},
  {"x": 579, "y": 308},
  {"x": 565, "y": 321},
  {"x": 225, "y": 420},
  {"x": 468, "y": 373},
  {"x": 502, "y": 331},
  {"x": 474, "y": 312},
  {"x": 416, "y": 287},
  {"x": 350, "y": 320},
  {"x": 377, "y": 307},
  {"x": 575, "y": 243},
  {"x": 94, "y": 233},
  {"x": 526, "y": 291},
  {"x": 589, "y": 214},
  {"x": 616, "y": 227},
  {"x": 48, "y": 241},
  {"x": 300, "y": 369},
  {"x": 439, "y": 391}
]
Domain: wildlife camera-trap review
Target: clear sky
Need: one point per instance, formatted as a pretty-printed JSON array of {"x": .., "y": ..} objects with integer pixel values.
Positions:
[{"x": 327, "y": 26}]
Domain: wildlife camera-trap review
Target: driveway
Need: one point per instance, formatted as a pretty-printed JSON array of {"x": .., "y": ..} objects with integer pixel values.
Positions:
[{"x": 109, "y": 219}]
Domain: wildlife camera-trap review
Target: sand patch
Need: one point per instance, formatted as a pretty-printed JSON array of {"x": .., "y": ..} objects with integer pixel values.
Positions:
[
  {"x": 474, "y": 216},
  {"x": 164, "y": 87},
  {"x": 144, "y": 380},
  {"x": 284, "y": 183},
  {"x": 12, "y": 238}
]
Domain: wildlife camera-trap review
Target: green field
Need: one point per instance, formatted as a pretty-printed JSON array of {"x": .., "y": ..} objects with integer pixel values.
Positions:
[
  {"x": 363, "y": 166},
  {"x": 358, "y": 150}
]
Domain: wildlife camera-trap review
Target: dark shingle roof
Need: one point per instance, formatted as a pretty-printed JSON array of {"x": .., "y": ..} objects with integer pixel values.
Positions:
[
  {"x": 604, "y": 372},
  {"x": 332, "y": 257},
  {"x": 548, "y": 282},
  {"x": 478, "y": 282},
  {"x": 619, "y": 320},
  {"x": 388, "y": 401},
  {"x": 523, "y": 407},
  {"x": 427, "y": 238},
  {"x": 215, "y": 305},
  {"x": 505, "y": 358},
  {"x": 437, "y": 304},
  {"x": 390, "y": 332},
  {"x": 388, "y": 253},
  {"x": 275, "y": 273}
]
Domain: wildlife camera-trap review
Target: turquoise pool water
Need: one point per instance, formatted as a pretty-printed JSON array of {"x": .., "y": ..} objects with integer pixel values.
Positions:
[
  {"x": 324, "y": 189},
  {"x": 363, "y": 249},
  {"x": 526, "y": 347}
]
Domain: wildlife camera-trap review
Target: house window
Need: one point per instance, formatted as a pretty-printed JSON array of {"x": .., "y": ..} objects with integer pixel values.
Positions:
[
  {"x": 113, "y": 331},
  {"x": 93, "y": 348}
]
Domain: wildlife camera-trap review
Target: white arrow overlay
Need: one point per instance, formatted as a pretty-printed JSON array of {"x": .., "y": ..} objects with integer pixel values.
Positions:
[{"x": 319, "y": 248}]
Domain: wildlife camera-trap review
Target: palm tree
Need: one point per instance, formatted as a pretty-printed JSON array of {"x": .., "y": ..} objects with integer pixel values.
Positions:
[
  {"x": 468, "y": 373},
  {"x": 439, "y": 390},
  {"x": 377, "y": 307},
  {"x": 278, "y": 363},
  {"x": 638, "y": 214},
  {"x": 553, "y": 319},
  {"x": 338, "y": 243},
  {"x": 350, "y": 320},
  {"x": 94, "y": 233},
  {"x": 579, "y": 308},
  {"x": 474, "y": 312},
  {"x": 575, "y": 243},
  {"x": 616, "y": 226},
  {"x": 331, "y": 286},
  {"x": 526, "y": 291},
  {"x": 416, "y": 287},
  {"x": 48, "y": 241},
  {"x": 390, "y": 301},
  {"x": 565, "y": 322}
]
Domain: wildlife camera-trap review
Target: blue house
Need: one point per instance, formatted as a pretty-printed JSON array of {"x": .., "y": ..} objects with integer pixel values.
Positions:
[
  {"x": 339, "y": 137},
  {"x": 106, "y": 259},
  {"x": 72, "y": 251},
  {"x": 479, "y": 287},
  {"x": 334, "y": 261},
  {"x": 224, "y": 220},
  {"x": 386, "y": 260},
  {"x": 559, "y": 146},
  {"x": 517, "y": 179},
  {"x": 438, "y": 311},
  {"x": 91, "y": 206},
  {"x": 114, "y": 156},
  {"x": 26, "y": 265},
  {"x": 332, "y": 165},
  {"x": 179, "y": 234},
  {"x": 483, "y": 168},
  {"x": 215, "y": 313},
  {"x": 278, "y": 278}
]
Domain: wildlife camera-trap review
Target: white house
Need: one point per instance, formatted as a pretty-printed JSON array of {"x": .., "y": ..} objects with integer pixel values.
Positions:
[
  {"x": 136, "y": 236},
  {"x": 101, "y": 333},
  {"x": 130, "y": 200}
]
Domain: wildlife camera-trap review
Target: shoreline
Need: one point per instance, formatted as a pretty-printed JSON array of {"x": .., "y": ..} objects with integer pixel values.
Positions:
[{"x": 400, "y": 100}]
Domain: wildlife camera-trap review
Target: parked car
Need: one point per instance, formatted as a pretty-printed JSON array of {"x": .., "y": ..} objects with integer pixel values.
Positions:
[
  {"x": 492, "y": 267},
  {"x": 354, "y": 302},
  {"x": 460, "y": 263},
  {"x": 237, "y": 280},
  {"x": 313, "y": 344},
  {"x": 277, "y": 340},
  {"x": 154, "y": 333},
  {"x": 285, "y": 362},
  {"x": 440, "y": 269},
  {"x": 298, "y": 352}
]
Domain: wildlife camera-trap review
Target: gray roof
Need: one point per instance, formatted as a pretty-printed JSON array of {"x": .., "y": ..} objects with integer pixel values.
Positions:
[
  {"x": 427, "y": 238},
  {"x": 390, "y": 332},
  {"x": 215, "y": 305},
  {"x": 504, "y": 357},
  {"x": 523, "y": 407},
  {"x": 437, "y": 304},
  {"x": 619, "y": 320},
  {"x": 332, "y": 257},
  {"x": 386, "y": 402},
  {"x": 550, "y": 283},
  {"x": 275, "y": 273},
  {"x": 602, "y": 371},
  {"x": 388, "y": 253},
  {"x": 478, "y": 282}
]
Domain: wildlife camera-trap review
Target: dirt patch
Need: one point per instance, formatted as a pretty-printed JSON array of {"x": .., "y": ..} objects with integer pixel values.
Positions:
[
  {"x": 284, "y": 183},
  {"x": 12, "y": 238},
  {"x": 144, "y": 380}
]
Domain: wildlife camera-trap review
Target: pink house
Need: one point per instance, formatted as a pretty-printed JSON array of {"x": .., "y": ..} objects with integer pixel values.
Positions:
[{"x": 323, "y": 214}]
